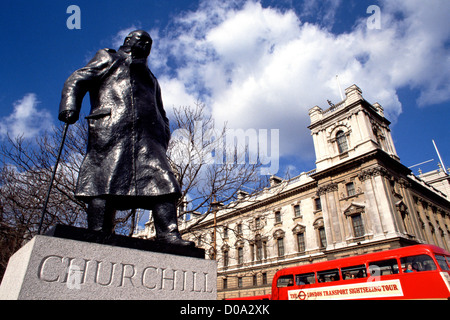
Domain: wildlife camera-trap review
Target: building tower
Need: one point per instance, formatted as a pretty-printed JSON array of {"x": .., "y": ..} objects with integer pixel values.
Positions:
[
  {"x": 366, "y": 194},
  {"x": 349, "y": 129}
]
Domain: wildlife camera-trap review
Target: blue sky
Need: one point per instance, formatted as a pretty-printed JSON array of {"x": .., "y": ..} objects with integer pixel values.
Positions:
[{"x": 255, "y": 64}]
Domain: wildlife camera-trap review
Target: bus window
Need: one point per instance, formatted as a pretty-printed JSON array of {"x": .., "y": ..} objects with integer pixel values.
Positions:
[
  {"x": 442, "y": 263},
  {"x": 285, "y": 281},
  {"x": 417, "y": 263},
  {"x": 448, "y": 260},
  {"x": 328, "y": 275},
  {"x": 383, "y": 267},
  {"x": 354, "y": 272},
  {"x": 305, "y": 278}
]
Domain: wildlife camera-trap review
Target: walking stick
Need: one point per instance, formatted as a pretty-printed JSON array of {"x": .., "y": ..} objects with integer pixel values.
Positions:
[{"x": 44, "y": 209}]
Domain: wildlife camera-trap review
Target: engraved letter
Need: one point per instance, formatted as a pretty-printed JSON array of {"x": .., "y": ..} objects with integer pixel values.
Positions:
[
  {"x": 144, "y": 274},
  {"x": 124, "y": 271},
  {"x": 43, "y": 264},
  {"x": 167, "y": 278},
  {"x": 206, "y": 283},
  {"x": 184, "y": 280},
  {"x": 194, "y": 282},
  {"x": 97, "y": 274}
]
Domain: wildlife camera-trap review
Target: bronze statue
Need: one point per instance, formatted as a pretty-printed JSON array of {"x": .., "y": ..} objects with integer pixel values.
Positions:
[{"x": 126, "y": 165}]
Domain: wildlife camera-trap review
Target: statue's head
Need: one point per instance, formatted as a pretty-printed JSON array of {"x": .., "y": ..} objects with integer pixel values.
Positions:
[{"x": 139, "y": 42}]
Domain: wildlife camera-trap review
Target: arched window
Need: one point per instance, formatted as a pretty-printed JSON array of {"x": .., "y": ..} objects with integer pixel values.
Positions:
[
  {"x": 319, "y": 226},
  {"x": 301, "y": 246},
  {"x": 279, "y": 236},
  {"x": 225, "y": 258},
  {"x": 259, "y": 248},
  {"x": 341, "y": 140},
  {"x": 299, "y": 231},
  {"x": 240, "y": 251},
  {"x": 322, "y": 237},
  {"x": 356, "y": 220}
]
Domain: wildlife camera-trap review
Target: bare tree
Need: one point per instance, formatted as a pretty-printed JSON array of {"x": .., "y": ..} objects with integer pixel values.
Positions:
[
  {"x": 25, "y": 173},
  {"x": 208, "y": 172}
]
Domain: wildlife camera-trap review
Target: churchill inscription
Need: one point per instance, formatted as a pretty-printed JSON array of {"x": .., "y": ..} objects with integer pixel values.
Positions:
[
  {"x": 76, "y": 272},
  {"x": 67, "y": 269}
]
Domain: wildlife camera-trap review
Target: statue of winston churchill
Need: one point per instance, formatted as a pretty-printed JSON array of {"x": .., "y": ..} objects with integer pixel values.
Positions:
[{"x": 125, "y": 166}]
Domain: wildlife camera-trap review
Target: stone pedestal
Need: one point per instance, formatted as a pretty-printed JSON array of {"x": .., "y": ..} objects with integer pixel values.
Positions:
[{"x": 57, "y": 268}]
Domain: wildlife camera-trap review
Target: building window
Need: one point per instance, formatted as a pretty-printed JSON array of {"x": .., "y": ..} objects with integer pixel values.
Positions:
[
  {"x": 239, "y": 229},
  {"x": 225, "y": 258},
  {"x": 317, "y": 204},
  {"x": 350, "y": 189},
  {"x": 225, "y": 283},
  {"x": 322, "y": 237},
  {"x": 341, "y": 140},
  {"x": 225, "y": 232},
  {"x": 297, "y": 212},
  {"x": 301, "y": 242},
  {"x": 240, "y": 255},
  {"x": 280, "y": 246},
  {"x": 264, "y": 278},
  {"x": 358, "y": 226},
  {"x": 255, "y": 280},
  {"x": 261, "y": 250},
  {"x": 240, "y": 282},
  {"x": 277, "y": 217},
  {"x": 278, "y": 235},
  {"x": 258, "y": 223}
]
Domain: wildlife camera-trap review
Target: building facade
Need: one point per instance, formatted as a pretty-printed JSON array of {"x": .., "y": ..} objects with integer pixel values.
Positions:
[{"x": 359, "y": 199}]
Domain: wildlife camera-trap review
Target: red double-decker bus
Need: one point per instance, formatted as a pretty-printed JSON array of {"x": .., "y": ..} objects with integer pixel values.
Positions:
[{"x": 415, "y": 272}]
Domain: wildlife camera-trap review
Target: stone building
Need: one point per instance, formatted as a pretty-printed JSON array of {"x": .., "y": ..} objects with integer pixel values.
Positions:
[{"x": 359, "y": 199}]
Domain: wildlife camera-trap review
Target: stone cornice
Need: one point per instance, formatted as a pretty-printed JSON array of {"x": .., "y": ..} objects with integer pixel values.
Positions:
[
  {"x": 327, "y": 188},
  {"x": 260, "y": 204},
  {"x": 373, "y": 172},
  {"x": 385, "y": 161}
]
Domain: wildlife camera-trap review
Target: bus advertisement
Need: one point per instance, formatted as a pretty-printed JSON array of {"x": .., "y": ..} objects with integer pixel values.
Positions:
[{"x": 415, "y": 272}]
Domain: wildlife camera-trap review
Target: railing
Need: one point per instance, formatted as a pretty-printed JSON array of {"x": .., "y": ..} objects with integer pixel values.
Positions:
[
  {"x": 334, "y": 107},
  {"x": 297, "y": 178}
]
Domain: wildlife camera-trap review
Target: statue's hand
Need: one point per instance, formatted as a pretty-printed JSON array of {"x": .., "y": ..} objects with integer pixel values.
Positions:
[{"x": 68, "y": 116}]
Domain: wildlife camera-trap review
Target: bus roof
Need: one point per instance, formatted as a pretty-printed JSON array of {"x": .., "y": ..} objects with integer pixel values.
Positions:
[{"x": 362, "y": 259}]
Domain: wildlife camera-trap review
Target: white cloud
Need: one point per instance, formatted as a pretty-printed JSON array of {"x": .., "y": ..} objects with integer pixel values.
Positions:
[
  {"x": 263, "y": 68},
  {"x": 26, "y": 120},
  {"x": 174, "y": 94},
  {"x": 326, "y": 9},
  {"x": 422, "y": 40}
]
